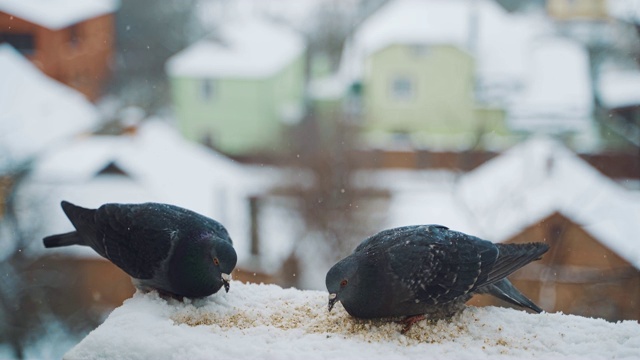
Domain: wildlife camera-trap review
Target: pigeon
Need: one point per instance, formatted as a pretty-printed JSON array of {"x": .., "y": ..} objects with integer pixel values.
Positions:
[
  {"x": 426, "y": 270},
  {"x": 162, "y": 247}
]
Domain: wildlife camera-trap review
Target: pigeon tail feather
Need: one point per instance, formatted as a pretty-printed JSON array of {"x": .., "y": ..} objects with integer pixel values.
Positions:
[
  {"x": 514, "y": 256},
  {"x": 67, "y": 239},
  {"x": 504, "y": 290}
]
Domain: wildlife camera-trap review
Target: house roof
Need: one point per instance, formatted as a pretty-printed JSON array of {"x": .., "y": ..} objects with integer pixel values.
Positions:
[
  {"x": 37, "y": 111},
  {"x": 248, "y": 48},
  {"x": 618, "y": 89},
  {"x": 540, "y": 177},
  {"x": 58, "y": 14}
]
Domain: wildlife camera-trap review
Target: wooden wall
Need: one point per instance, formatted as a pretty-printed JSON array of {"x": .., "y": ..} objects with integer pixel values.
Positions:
[
  {"x": 78, "y": 56},
  {"x": 579, "y": 275}
]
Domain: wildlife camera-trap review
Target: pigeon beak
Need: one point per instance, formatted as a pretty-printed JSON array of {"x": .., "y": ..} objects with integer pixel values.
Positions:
[
  {"x": 226, "y": 278},
  {"x": 333, "y": 298}
]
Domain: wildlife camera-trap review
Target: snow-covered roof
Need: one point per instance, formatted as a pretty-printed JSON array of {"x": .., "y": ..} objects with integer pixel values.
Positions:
[
  {"x": 37, "y": 111},
  {"x": 58, "y": 14},
  {"x": 268, "y": 322},
  {"x": 558, "y": 94},
  {"x": 495, "y": 38},
  {"x": 158, "y": 166},
  {"x": 537, "y": 178},
  {"x": 618, "y": 89},
  {"x": 247, "y": 48},
  {"x": 627, "y": 10}
]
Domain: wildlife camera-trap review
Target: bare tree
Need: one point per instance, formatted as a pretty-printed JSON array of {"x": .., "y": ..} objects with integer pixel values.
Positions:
[{"x": 148, "y": 32}]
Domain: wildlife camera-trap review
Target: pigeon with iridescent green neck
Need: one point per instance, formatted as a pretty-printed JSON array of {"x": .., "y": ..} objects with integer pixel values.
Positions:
[{"x": 163, "y": 247}]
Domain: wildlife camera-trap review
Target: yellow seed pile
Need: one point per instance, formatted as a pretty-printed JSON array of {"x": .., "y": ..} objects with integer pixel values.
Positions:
[{"x": 311, "y": 317}]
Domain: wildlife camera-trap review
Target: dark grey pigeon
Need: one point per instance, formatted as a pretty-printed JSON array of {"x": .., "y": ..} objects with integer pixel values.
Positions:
[
  {"x": 162, "y": 247},
  {"x": 427, "y": 270}
]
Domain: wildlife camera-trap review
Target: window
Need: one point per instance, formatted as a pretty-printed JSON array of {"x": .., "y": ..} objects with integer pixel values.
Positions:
[
  {"x": 420, "y": 50},
  {"x": 21, "y": 42},
  {"x": 402, "y": 88},
  {"x": 207, "y": 89}
]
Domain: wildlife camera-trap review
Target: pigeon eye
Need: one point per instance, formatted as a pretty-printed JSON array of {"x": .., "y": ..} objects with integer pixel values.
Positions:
[
  {"x": 343, "y": 283},
  {"x": 216, "y": 262}
]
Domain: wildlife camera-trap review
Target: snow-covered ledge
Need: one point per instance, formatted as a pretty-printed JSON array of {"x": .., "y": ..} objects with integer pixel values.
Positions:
[{"x": 266, "y": 321}]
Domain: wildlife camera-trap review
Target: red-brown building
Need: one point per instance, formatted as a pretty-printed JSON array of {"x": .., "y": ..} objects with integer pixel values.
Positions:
[{"x": 72, "y": 42}]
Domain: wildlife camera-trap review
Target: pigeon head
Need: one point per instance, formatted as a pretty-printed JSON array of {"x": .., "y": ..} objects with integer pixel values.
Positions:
[
  {"x": 343, "y": 281},
  {"x": 224, "y": 259}
]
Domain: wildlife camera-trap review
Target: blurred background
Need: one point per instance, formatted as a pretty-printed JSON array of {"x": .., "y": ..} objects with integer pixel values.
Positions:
[{"x": 305, "y": 126}]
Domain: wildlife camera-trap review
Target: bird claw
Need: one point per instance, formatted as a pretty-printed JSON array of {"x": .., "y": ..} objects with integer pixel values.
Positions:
[{"x": 409, "y": 321}]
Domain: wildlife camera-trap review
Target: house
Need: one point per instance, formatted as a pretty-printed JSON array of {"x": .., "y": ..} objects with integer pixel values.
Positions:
[
  {"x": 71, "y": 42},
  {"x": 242, "y": 89},
  {"x": 541, "y": 191},
  {"x": 457, "y": 74}
]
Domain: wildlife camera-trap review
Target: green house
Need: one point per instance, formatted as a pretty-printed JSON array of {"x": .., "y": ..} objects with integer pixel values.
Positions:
[
  {"x": 416, "y": 68},
  {"x": 242, "y": 90}
]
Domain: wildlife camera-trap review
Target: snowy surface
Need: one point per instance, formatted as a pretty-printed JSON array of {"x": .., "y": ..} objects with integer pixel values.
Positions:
[
  {"x": 37, "y": 112},
  {"x": 268, "y": 322},
  {"x": 247, "y": 48},
  {"x": 57, "y": 14},
  {"x": 618, "y": 89}
]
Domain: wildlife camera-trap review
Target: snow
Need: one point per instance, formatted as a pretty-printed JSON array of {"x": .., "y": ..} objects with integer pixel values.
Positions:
[
  {"x": 58, "y": 14},
  {"x": 627, "y": 10},
  {"x": 327, "y": 88},
  {"x": 37, "y": 112},
  {"x": 247, "y": 48},
  {"x": 300, "y": 15},
  {"x": 268, "y": 322},
  {"x": 617, "y": 89},
  {"x": 558, "y": 95}
]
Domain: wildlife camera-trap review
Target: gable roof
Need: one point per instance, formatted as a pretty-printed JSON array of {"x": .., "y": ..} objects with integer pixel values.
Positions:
[
  {"x": 58, "y": 14},
  {"x": 248, "y": 48},
  {"x": 37, "y": 111},
  {"x": 539, "y": 177}
]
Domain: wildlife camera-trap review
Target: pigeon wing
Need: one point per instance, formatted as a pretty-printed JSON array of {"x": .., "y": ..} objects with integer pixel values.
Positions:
[
  {"x": 133, "y": 239},
  {"x": 439, "y": 267}
]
